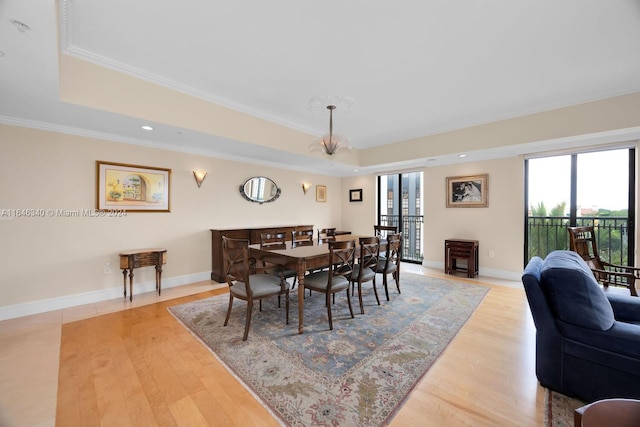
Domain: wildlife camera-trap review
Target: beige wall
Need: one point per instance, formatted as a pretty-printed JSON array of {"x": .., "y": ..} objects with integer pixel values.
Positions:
[
  {"x": 499, "y": 227},
  {"x": 53, "y": 257}
]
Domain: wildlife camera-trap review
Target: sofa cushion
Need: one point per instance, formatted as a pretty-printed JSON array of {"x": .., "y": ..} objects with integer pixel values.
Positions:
[{"x": 573, "y": 292}]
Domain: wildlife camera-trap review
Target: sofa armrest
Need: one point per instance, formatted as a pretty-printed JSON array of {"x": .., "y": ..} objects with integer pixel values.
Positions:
[{"x": 625, "y": 307}]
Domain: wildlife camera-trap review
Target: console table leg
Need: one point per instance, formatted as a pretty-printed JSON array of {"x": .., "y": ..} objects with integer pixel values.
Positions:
[
  {"x": 131, "y": 285},
  {"x": 124, "y": 281},
  {"x": 159, "y": 278}
]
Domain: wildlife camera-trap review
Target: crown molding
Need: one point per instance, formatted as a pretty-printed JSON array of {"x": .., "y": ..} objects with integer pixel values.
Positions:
[{"x": 68, "y": 48}]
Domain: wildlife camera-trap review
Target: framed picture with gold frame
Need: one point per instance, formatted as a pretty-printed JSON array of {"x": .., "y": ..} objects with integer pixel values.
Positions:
[
  {"x": 133, "y": 188},
  {"x": 468, "y": 191},
  {"x": 321, "y": 193}
]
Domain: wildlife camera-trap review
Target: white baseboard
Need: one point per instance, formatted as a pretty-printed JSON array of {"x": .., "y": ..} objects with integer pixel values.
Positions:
[
  {"x": 488, "y": 272},
  {"x": 58, "y": 303}
]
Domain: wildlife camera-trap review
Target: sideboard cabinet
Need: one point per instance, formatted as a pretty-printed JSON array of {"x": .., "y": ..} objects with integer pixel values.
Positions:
[{"x": 251, "y": 234}]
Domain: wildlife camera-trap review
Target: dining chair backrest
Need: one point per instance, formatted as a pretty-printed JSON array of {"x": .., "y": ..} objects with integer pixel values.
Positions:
[
  {"x": 394, "y": 247},
  {"x": 325, "y": 233},
  {"x": 369, "y": 253},
  {"x": 301, "y": 238},
  {"x": 236, "y": 260},
  {"x": 273, "y": 241},
  {"x": 384, "y": 230},
  {"x": 341, "y": 256}
]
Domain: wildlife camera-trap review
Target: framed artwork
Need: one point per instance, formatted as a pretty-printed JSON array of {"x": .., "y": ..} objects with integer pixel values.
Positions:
[
  {"x": 321, "y": 193},
  {"x": 355, "y": 195},
  {"x": 468, "y": 191},
  {"x": 133, "y": 188}
]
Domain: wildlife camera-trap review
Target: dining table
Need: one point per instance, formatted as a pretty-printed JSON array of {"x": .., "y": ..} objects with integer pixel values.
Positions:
[{"x": 302, "y": 259}]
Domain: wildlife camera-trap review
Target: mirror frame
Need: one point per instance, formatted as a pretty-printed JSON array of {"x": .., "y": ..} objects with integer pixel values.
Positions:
[{"x": 246, "y": 196}]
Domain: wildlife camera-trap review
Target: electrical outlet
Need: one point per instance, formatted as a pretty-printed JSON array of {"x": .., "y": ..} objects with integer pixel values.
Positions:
[
  {"x": 492, "y": 253},
  {"x": 107, "y": 267}
]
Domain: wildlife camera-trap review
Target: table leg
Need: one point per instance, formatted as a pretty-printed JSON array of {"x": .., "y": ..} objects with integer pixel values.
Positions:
[
  {"x": 159, "y": 278},
  {"x": 131, "y": 284},
  {"x": 301, "y": 272},
  {"x": 124, "y": 281}
]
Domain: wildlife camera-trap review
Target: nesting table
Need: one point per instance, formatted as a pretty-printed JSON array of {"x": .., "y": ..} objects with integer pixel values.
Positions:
[{"x": 461, "y": 249}]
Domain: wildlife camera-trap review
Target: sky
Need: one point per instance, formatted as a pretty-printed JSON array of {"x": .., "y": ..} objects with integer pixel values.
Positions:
[{"x": 602, "y": 180}]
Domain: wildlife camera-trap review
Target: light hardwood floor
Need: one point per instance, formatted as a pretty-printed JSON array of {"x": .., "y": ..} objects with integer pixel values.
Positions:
[{"x": 122, "y": 364}]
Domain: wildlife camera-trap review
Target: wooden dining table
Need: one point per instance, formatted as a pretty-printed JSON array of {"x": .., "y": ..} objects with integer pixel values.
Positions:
[{"x": 302, "y": 259}]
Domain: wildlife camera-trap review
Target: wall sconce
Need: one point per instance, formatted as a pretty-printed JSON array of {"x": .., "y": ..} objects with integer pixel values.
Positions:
[
  {"x": 199, "y": 176},
  {"x": 305, "y": 187}
]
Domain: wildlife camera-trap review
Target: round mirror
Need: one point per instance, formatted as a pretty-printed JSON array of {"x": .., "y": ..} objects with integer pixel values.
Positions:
[{"x": 260, "y": 189}]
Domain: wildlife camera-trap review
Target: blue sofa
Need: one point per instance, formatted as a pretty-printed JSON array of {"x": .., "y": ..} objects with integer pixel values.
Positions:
[{"x": 587, "y": 339}]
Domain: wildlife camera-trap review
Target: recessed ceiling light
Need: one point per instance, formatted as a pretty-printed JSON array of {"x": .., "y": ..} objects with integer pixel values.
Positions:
[
  {"x": 355, "y": 170},
  {"x": 147, "y": 127},
  {"x": 462, "y": 155},
  {"x": 21, "y": 26}
]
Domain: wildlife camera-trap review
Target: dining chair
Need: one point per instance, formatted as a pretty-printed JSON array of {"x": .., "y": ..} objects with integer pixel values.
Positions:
[
  {"x": 301, "y": 238},
  {"x": 337, "y": 277},
  {"x": 384, "y": 230},
  {"x": 365, "y": 269},
  {"x": 326, "y": 233},
  {"x": 246, "y": 282},
  {"x": 277, "y": 241},
  {"x": 391, "y": 263}
]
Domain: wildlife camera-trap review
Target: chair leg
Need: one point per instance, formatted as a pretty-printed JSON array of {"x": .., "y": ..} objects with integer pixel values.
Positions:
[
  {"x": 349, "y": 302},
  {"x": 260, "y": 304},
  {"x": 384, "y": 283},
  {"x": 226, "y": 320},
  {"x": 328, "y": 304},
  {"x": 396, "y": 276},
  {"x": 375, "y": 291},
  {"x": 248, "y": 321},
  {"x": 360, "y": 297}
]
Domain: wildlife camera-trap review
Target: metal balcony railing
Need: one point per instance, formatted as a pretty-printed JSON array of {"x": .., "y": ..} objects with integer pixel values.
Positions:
[
  {"x": 549, "y": 233},
  {"x": 411, "y": 235}
]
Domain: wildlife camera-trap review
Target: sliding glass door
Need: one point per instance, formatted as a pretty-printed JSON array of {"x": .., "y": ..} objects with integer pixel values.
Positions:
[
  {"x": 594, "y": 188},
  {"x": 400, "y": 205}
]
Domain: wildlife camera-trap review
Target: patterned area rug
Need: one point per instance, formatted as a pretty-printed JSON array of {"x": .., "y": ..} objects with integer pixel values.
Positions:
[
  {"x": 360, "y": 373},
  {"x": 559, "y": 409}
]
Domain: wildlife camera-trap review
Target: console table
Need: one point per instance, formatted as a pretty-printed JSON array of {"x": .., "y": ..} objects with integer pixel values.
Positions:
[
  {"x": 461, "y": 249},
  {"x": 252, "y": 234},
  {"x": 151, "y": 257}
]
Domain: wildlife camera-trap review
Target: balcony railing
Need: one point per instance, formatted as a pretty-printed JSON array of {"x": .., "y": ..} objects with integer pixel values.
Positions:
[
  {"x": 548, "y": 233},
  {"x": 411, "y": 235}
]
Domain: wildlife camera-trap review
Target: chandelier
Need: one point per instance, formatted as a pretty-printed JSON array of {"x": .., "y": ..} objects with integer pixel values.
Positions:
[{"x": 331, "y": 143}]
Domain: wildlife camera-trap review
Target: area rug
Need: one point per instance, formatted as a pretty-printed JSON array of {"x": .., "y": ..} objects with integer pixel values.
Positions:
[
  {"x": 559, "y": 409},
  {"x": 360, "y": 373}
]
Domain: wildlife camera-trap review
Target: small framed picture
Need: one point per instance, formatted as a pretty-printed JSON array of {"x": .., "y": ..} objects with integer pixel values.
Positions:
[
  {"x": 468, "y": 191},
  {"x": 355, "y": 195},
  {"x": 321, "y": 193}
]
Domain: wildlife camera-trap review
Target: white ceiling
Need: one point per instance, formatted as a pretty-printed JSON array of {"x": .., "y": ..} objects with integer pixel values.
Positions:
[{"x": 413, "y": 67}]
